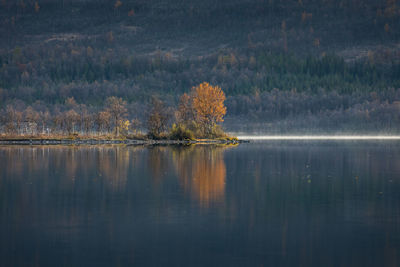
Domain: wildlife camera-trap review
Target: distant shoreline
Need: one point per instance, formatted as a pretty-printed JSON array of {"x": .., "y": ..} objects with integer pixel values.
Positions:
[{"x": 61, "y": 141}]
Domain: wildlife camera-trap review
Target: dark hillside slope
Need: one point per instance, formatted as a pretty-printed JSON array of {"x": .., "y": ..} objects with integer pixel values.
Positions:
[
  {"x": 337, "y": 24},
  {"x": 256, "y": 50}
]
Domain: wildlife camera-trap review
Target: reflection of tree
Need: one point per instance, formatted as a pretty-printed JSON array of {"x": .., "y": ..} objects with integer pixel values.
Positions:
[
  {"x": 107, "y": 163},
  {"x": 202, "y": 172},
  {"x": 157, "y": 162},
  {"x": 114, "y": 165}
]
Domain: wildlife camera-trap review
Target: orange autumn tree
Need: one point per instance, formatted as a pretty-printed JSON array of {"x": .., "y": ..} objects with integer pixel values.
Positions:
[{"x": 208, "y": 104}]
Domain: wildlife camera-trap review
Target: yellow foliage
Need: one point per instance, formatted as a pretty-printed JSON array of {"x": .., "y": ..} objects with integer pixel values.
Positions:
[
  {"x": 124, "y": 125},
  {"x": 391, "y": 9},
  {"x": 305, "y": 16},
  {"x": 37, "y": 7},
  {"x": 89, "y": 51},
  {"x": 370, "y": 56},
  {"x": 252, "y": 62},
  {"x": 208, "y": 103},
  {"x": 110, "y": 37},
  {"x": 75, "y": 52},
  {"x": 316, "y": 42},
  {"x": 387, "y": 28},
  {"x": 117, "y": 4},
  {"x": 233, "y": 60}
]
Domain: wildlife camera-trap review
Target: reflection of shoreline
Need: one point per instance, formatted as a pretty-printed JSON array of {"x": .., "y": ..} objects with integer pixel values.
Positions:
[
  {"x": 200, "y": 169},
  {"x": 108, "y": 164},
  {"x": 201, "y": 172},
  {"x": 94, "y": 142},
  {"x": 157, "y": 162}
]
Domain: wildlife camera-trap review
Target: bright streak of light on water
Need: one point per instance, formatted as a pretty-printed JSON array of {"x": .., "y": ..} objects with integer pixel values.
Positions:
[{"x": 319, "y": 137}]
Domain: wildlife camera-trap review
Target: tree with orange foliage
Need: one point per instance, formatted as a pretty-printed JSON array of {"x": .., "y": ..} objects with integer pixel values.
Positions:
[
  {"x": 117, "y": 4},
  {"x": 208, "y": 104}
]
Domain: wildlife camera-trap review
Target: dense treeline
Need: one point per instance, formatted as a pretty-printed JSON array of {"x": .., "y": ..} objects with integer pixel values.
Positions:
[
  {"x": 276, "y": 88},
  {"x": 197, "y": 116},
  {"x": 352, "y": 18},
  {"x": 275, "y": 111},
  {"x": 323, "y": 111},
  {"x": 72, "y": 119},
  {"x": 88, "y": 75}
]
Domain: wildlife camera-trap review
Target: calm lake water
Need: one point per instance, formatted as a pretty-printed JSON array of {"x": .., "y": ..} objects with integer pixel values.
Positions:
[{"x": 272, "y": 203}]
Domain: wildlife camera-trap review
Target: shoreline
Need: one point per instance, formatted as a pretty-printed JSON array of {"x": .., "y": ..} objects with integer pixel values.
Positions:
[{"x": 49, "y": 141}]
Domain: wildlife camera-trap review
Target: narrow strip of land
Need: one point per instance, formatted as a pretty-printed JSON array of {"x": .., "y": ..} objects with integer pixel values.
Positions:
[{"x": 87, "y": 141}]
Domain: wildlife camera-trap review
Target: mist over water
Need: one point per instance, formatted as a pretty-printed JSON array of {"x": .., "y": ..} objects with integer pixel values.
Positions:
[
  {"x": 318, "y": 137},
  {"x": 288, "y": 203}
]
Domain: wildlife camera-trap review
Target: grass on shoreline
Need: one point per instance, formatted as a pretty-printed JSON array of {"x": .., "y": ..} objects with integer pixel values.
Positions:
[{"x": 108, "y": 137}]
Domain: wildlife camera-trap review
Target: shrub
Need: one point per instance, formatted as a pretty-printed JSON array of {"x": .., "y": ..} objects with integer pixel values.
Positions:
[
  {"x": 179, "y": 132},
  {"x": 160, "y": 136},
  {"x": 73, "y": 136},
  {"x": 216, "y": 132}
]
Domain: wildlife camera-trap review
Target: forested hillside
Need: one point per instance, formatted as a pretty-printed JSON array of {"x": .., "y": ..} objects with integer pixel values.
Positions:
[{"x": 285, "y": 66}]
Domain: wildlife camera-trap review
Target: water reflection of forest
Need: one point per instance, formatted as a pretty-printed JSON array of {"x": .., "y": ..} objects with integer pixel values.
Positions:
[
  {"x": 278, "y": 194},
  {"x": 200, "y": 170}
]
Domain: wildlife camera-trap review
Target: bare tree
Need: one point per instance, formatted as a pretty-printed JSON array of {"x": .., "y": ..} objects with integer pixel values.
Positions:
[
  {"x": 158, "y": 118},
  {"x": 31, "y": 118},
  {"x": 117, "y": 108},
  {"x": 71, "y": 118},
  {"x": 13, "y": 119},
  {"x": 44, "y": 119},
  {"x": 103, "y": 120}
]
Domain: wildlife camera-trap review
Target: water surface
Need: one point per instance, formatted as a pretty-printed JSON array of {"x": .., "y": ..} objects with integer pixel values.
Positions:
[{"x": 289, "y": 203}]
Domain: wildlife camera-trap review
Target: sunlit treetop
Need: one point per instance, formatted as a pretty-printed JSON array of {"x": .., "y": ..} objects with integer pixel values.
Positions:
[{"x": 208, "y": 102}]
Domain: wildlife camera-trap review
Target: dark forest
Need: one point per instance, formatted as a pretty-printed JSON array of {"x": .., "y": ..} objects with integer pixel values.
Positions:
[{"x": 285, "y": 66}]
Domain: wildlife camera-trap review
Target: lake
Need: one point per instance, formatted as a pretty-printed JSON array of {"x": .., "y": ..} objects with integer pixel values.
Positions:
[{"x": 270, "y": 203}]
